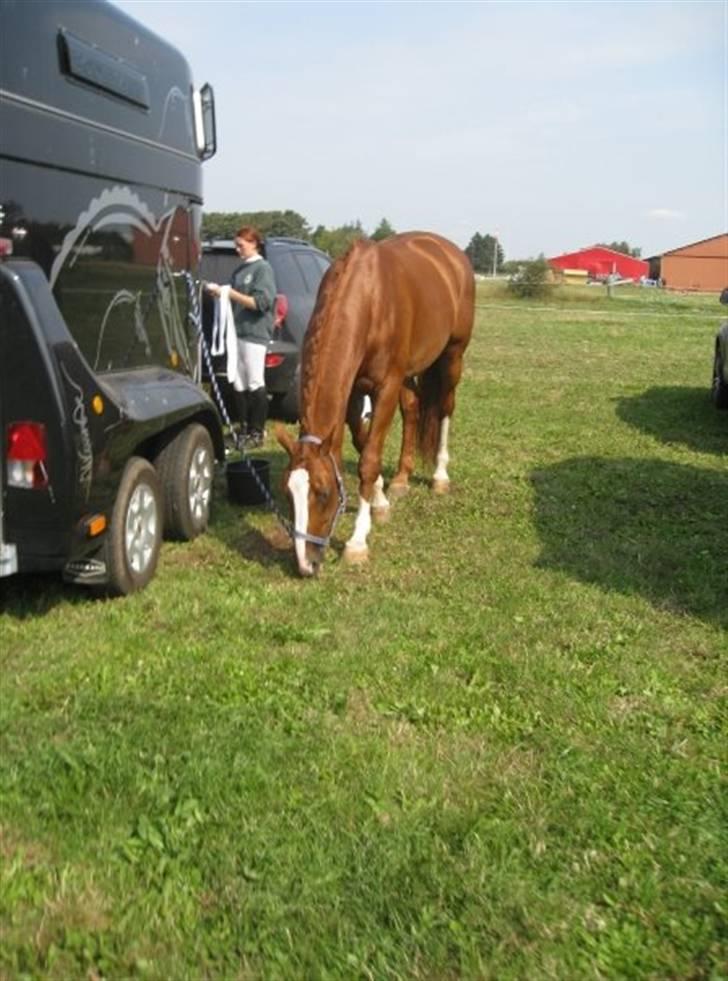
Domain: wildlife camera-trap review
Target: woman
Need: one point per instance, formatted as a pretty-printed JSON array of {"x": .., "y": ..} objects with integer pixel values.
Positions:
[{"x": 252, "y": 297}]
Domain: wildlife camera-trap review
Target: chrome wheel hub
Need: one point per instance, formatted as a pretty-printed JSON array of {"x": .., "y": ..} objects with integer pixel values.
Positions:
[
  {"x": 140, "y": 533},
  {"x": 200, "y": 484}
]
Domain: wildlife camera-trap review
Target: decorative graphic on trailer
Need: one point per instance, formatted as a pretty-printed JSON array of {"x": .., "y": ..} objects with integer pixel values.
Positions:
[{"x": 119, "y": 332}]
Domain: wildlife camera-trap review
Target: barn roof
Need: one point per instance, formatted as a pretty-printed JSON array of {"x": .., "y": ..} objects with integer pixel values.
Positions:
[{"x": 702, "y": 241}]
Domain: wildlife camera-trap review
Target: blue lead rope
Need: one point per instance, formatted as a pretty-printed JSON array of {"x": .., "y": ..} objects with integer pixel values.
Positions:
[{"x": 196, "y": 320}]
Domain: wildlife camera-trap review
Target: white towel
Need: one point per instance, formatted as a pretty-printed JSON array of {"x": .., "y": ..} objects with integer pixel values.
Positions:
[{"x": 224, "y": 338}]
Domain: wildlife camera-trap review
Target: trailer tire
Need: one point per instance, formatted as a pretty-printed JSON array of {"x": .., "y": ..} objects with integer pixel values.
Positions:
[
  {"x": 134, "y": 538},
  {"x": 186, "y": 468}
]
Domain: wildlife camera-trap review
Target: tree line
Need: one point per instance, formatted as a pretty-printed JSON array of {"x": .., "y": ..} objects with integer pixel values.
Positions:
[
  {"x": 334, "y": 241},
  {"x": 484, "y": 250}
]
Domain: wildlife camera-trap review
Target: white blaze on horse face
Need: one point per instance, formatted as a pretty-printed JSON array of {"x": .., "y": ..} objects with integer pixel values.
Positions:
[
  {"x": 298, "y": 483},
  {"x": 443, "y": 457}
]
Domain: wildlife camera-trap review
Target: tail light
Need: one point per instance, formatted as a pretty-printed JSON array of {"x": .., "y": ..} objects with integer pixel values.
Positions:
[
  {"x": 27, "y": 454},
  {"x": 273, "y": 360},
  {"x": 280, "y": 310}
]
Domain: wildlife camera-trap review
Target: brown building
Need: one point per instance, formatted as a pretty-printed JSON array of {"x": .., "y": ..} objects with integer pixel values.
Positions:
[{"x": 700, "y": 266}]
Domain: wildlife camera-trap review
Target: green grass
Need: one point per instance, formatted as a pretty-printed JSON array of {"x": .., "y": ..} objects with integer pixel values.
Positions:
[{"x": 495, "y": 752}]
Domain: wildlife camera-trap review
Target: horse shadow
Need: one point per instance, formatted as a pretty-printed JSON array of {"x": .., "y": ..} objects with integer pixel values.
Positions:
[
  {"x": 677, "y": 414},
  {"x": 239, "y": 526},
  {"x": 269, "y": 544},
  {"x": 638, "y": 527}
]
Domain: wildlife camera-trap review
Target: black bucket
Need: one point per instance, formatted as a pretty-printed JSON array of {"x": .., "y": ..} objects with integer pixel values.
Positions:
[{"x": 243, "y": 488}]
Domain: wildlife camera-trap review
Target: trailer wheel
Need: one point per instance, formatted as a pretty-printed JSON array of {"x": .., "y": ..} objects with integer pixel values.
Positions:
[
  {"x": 135, "y": 535},
  {"x": 186, "y": 468}
]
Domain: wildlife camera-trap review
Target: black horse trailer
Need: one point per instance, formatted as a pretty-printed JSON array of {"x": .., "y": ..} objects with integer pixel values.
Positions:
[{"x": 109, "y": 440}]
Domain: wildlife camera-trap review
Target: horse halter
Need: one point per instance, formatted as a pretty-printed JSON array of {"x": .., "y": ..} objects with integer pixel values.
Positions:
[{"x": 316, "y": 539}]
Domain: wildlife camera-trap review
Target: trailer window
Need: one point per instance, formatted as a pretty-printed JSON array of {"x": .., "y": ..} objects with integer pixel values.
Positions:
[{"x": 92, "y": 66}]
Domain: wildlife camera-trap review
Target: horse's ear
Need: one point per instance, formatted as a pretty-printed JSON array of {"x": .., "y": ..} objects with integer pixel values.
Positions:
[{"x": 284, "y": 438}]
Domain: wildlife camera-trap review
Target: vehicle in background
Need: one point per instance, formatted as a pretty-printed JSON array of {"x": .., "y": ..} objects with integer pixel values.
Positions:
[
  {"x": 298, "y": 268},
  {"x": 720, "y": 362},
  {"x": 108, "y": 438}
]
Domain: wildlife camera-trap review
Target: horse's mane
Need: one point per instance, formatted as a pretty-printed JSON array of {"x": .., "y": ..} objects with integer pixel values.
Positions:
[
  {"x": 329, "y": 299},
  {"x": 338, "y": 272}
]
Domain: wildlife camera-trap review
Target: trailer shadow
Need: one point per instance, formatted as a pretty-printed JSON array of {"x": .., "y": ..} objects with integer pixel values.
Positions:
[
  {"x": 30, "y": 595},
  {"x": 643, "y": 527},
  {"x": 680, "y": 415}
]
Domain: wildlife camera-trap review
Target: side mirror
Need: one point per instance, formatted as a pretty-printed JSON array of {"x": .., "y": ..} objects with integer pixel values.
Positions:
[{"x": 203, "y": 103}]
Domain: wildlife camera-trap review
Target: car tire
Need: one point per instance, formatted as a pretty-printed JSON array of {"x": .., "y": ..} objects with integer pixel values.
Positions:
[
  {"x": 288, "y": 405},
  {"x": 134, "y": 538},
  {"x": 719, "y": 388},
  {"x": 186, "y": 468}
]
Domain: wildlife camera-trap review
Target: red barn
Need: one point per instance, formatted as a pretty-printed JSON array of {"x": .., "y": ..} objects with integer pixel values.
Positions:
[{"x": 599, "y": 263}]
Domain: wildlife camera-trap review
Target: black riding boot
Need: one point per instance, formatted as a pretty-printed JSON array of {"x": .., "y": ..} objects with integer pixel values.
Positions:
[
  {"x": 257, "y": 415},
  {"x": 242, "y": 406}
]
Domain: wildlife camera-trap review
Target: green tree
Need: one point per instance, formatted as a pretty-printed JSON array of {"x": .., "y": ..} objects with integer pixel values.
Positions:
[
  {"x": 533, "y": 279},
  {"x": 336, "y": 241},
  {"x": 480, "y": 251},
  {"x": 224, "y": 224},
  {"x": 624, "y": 247},
  {"x": 383, "y": 230}
]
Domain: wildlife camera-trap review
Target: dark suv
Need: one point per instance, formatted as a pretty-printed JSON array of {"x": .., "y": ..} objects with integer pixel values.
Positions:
[
  {"x": 298, "y": 268},
  {"x": 720, "y": 361}
]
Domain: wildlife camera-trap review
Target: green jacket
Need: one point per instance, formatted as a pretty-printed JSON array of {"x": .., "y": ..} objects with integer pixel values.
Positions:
[{"x": 254, "y": 278}]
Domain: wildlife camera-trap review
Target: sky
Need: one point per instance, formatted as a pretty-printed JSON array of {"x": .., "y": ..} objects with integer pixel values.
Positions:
[{"x": 552, "y": 125}]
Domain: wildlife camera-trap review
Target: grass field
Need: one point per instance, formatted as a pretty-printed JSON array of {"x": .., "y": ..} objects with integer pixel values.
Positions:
[{"x": 495, "y": 752}]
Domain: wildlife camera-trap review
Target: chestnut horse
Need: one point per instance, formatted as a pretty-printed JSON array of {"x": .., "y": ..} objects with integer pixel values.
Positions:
[{"x": 392, "y": 320}]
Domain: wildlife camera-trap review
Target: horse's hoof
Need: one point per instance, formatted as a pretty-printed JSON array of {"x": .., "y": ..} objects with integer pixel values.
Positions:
[
  {"x": 397, "y": 489},
  {"x": 356, "y": 556},
  {"x": 441, "y": 486},
  {"x": 381, "y": 515}
]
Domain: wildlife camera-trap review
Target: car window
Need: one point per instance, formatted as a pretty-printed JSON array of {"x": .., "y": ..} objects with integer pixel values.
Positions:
[
  {"x": 322, "y": 262},
  {"x": 288, "y": 276},
  {"x": 218, "y": 268},
  {"x": 310, "y": 269}
]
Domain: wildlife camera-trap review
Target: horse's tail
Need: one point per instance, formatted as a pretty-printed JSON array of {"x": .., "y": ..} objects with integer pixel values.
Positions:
[{"x": 431, "y": 392}]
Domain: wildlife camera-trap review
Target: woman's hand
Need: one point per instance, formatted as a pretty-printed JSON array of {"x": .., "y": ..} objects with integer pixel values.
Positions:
[{"x": 212, "y": 288}]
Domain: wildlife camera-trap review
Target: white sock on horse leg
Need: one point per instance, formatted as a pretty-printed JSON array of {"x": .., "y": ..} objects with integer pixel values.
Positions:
[
  {"x": 379, "y": 498},
  {"x": 443, "y": 457},
  {"x": 362, "y": 527}
]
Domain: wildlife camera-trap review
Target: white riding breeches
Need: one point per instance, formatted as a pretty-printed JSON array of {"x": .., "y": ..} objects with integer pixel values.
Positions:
[{"x": 251, "y": 366}]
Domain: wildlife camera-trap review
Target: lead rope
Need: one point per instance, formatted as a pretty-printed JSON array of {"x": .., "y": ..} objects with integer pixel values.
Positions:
[{"x": 195, "y": 319}]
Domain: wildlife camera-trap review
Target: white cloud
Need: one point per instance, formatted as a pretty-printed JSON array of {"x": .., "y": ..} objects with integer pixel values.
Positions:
[{"x": 665, "y": 214}]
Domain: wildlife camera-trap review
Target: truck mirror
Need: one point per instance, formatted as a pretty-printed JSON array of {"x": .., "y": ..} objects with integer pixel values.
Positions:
[{"x": 203, "y": 101}]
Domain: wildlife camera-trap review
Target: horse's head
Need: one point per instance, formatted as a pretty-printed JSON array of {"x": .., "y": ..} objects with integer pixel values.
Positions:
[{"x": 316, "y": 492}]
